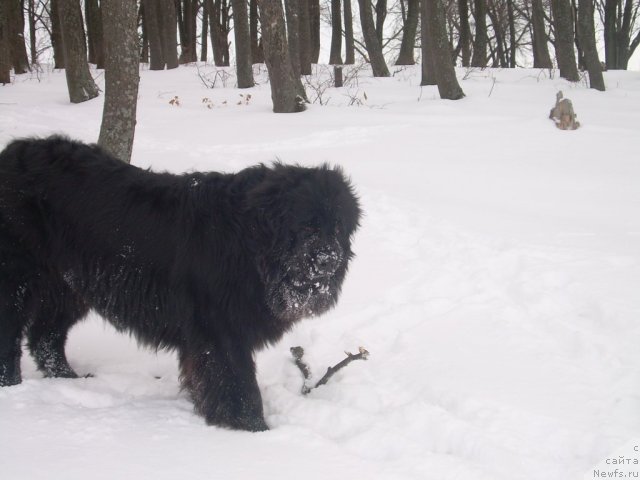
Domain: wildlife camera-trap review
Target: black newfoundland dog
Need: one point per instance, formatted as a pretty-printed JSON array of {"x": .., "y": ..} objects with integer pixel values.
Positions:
[{"x": 212, "y": 265}]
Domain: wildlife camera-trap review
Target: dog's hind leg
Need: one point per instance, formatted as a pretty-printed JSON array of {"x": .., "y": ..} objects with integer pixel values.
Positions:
[{"x": 56, "y": 309}]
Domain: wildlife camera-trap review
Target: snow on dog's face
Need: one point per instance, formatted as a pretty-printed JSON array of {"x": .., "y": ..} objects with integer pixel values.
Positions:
[{"x": 308, "y": 217}]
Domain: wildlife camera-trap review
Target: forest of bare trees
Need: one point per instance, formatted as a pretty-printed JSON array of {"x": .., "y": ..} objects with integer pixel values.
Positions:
[{"x": 570, "y": 35}]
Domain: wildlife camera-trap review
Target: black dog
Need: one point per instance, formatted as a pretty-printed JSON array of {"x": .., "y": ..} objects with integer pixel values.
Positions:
[{"x": 212, "y": 265}]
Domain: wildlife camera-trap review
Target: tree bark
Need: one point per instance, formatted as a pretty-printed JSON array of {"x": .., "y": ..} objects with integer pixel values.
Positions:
[
  {"x": 586, "y": 32},
  {"x": 381, "y": 15},
  {"x": 465, "y": 32},
  {"x": 405, "y": 57},
  {"x": 188, "y": 31},
  {"x": 285, "y": 86},
  {"x": 168, "y": 22},
  {"x": 428, "y": 66},
  {"x": 17, "y": 44},
  {"x": 292, "y": 11},
  {"x": 512, "y": 35},
  {"x": 350, "y": 57},
  {"x": 479, "y": 57},
  {"x": 335, "y": 55},
  {"x": 314, "y": 28},
  {"x": 257, "y": 55},
  {"x": 563, "y": 22},
  {"x": 219, "y": 30},
  {"x": 5, "y": 56},
  {"x": 94, "y": 33},
  {"x": 32, "y": 32},
  {"x": 541, "y": 57},
  {"x": 121, "y": 77},
  {"x": 304, "y": 37},
  {"x": 151, "y": 12},
  {"x": 56, "y": 36},
  {"x": 244, "y": 66},
  {"x": 79, "y": 80},
  {"x": 205, "y": 32},
  {"x": 374, "y": 48},
  {"x": 445, "y": 72}
]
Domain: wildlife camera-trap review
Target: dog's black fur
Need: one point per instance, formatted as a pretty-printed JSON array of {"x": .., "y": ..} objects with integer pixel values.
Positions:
[{"x": 212, "y": 265}]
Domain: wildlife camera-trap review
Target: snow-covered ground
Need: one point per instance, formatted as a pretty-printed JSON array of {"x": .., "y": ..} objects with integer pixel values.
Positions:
[{"x": 495, "y": 285}]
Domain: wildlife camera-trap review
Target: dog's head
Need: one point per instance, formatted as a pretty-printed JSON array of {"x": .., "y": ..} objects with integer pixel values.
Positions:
[{"x": 304, "y": 219}]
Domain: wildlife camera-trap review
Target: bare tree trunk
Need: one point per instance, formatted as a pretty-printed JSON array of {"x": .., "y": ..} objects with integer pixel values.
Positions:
[
  {"x": 374, "y": 48},
  {"x": 314, "y": 28},
  {"x": 56, "y": 36},
  {"x": 188, "y": 53},
  {"x": 501, "y": 59},
  {"x": 79, "y": 80},
  {"x": 405, "y": 57},
  {"x": 541, "y": 57},
  {"x": 94, "y": 32},
  {"x": 350, "y": 57},
  {"x": 292, "y": 10},
  {"x": 219, "y": 28},
  {"x": 17, "y": 45},
  {"x": 304, "y": 37},
  {"x": 121, "y": 77},
  {"x": 586, "y": 32},
  {"x": 285, "y": 86},
  {"x": 204, "y": 37},
  {"x": 563, "y": 22},
  {"x": 465, "y": 32},
  {"x": 168, "y": 22},
  {"x": 151, "y": 20},
  {"x": 244, "y": 66},
  {"x": 445, "y": 72},
  {"x": 144, "y": 40},
  {"x": 479, "y": 58},
  {"x": 512, "y": 35},
  {"x": 5, "y": 56},
  {"x": 32, "y": 32},
  {"x": 381, "y": 15},
  {"x": 335, "y": 56},
  {"x": 428, "y": 65},
  {"x": 257, "y": 55}
]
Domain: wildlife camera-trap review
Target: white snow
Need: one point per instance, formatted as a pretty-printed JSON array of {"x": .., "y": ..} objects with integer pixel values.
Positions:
[{"x": 495, "y": 285}]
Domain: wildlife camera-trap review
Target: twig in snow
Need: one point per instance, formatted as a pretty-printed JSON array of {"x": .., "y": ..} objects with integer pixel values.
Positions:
[{"x": 298, "y": 353}]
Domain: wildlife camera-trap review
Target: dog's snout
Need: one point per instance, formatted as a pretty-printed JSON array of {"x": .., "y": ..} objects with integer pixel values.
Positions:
[{"x": 327, "y": 260}]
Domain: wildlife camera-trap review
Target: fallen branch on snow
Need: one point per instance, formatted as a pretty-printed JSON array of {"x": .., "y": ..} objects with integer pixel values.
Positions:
[{"x": 298, "y": 353}]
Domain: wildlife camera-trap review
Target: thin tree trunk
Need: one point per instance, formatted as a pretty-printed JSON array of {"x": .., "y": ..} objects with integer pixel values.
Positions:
[
  {"x": 121, "y": 77},
  {"x": 350, "y": 57},
  {"x": 205, "y": 32},
  {"x": 257, "y": 55},
  {"x": 243, "y": 44},
  {"x": 188, "y": 34},
  {"x": 151, "y": 20},
  {"x": 32, "y": 32},
  {"x": 428, "y": 66},
  {"x": 285, "y": 86},
  {"x": 304, "y": 37},
  {"x": 56, "y": 36},
  {"x": 314, "y": 25},
  {"x": 94, "y": 33},
  {"x": 374, "y": 48},
  {"x": 335, "y": 56},
  {"x": 479, "y": 57},
  {"x": 144, "y": 50},
  {"x": 541, "y": 57},
  {"x": 5, "y": 56},
  {"x": 501, "y": 59},
  {"x": 381, "y": 15},
  {"x": 79, "y": 80},
  {"x": 445, "y": 72},
  {"x": 17, "y": 44},
  {"x": 586, "y": 32},
  {"x": 405, "y": 57},
  {"x": 465, "y": 32},
  {"x": 292, "y": 11},
  {"x": 219, "y": 28},
  {"x": 563, "y": 22},
  {"x": 512, "y": 35},
  {"x": 168, "y": 22}
]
